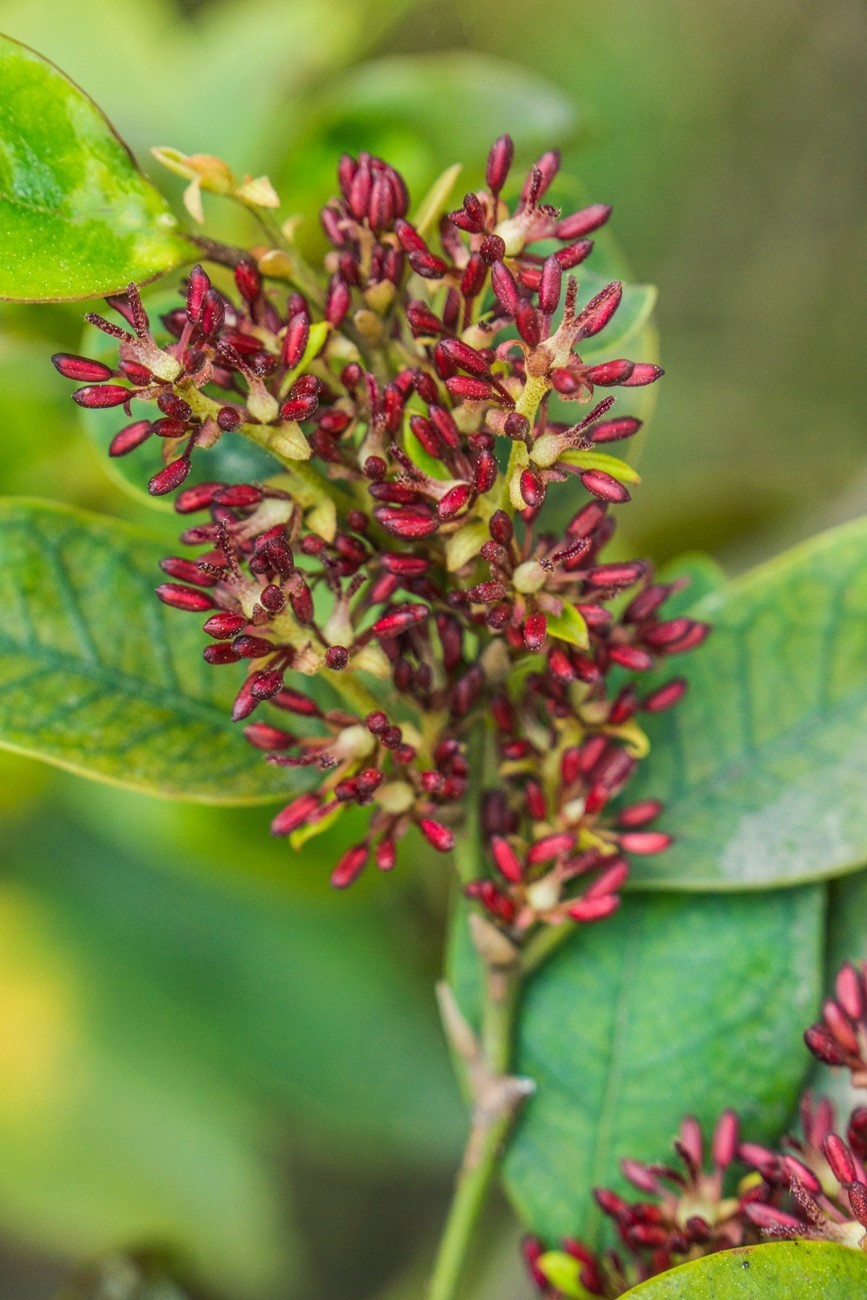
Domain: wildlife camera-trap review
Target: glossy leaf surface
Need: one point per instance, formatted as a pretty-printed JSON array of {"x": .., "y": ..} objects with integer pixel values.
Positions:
[
  {"x": 99, "y": 677},
  {"x": 763, "y": 766},
  {"x": 778, "y": 1270},
  {"x": 676, "y": 1005},
  {"x": 77, "y": 218}
]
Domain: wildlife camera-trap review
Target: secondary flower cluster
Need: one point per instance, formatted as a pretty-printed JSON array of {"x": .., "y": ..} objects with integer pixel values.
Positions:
[
  {"x": 394, "y": 590},
  {"x": 815, "y": 1186}
]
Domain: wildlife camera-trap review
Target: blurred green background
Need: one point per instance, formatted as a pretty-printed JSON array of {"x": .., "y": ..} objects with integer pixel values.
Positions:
[{"x": 200, "y": 1045}]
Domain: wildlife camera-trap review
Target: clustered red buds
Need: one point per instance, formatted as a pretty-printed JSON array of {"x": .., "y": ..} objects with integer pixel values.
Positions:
[
  {"x": 814, "y": 1186},
  {"x": 411, "y": 396}
]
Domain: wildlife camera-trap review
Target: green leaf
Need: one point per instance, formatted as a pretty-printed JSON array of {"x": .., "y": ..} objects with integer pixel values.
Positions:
[
  {"x": 98, "y": 677},
  {"x": 676, "y": 1005},
  {"x": 564, "y": 1273},
  {"x": 111, "y": 1129},
  {"x": 763, "y": 766},
  {"x": 612, "y": 465},
  {"x": 569, "y": 626},
  {"x": 77, "y": 218},
  {"x": 779, "y": 1270}
]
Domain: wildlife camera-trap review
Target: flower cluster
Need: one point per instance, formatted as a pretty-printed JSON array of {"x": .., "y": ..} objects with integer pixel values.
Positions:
[
  {"x": 393, "y": 589},
  {"x": 814, "y": 1186}
]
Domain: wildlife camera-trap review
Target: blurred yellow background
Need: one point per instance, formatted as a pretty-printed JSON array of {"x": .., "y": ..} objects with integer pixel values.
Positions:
[{"x": 198, "y": 1043}]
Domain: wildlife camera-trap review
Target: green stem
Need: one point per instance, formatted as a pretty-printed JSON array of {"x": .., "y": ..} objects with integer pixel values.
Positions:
[{"x": 493, "y": 1115}]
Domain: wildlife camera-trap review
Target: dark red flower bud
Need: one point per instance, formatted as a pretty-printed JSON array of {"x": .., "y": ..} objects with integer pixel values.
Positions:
[
  {"x": 665, "y": 697},
  {"x": 541, "y": 175},
  {"x": 295, "y": 814},
  {"x": 616, "y": 575},
  {"x": 219, "y": 654},
  {"x": 169, "y": 478},
  {"x": 213, "y": 314},
  {"x": 336, "y": 658},
  {"x": 604, "y": 486},
  {"x": 263, "y": 686},
  {"x": 251, "y": 647},
  {"x": 839, "y": 1157},
  {"x": 410, "y": 522},
  {"x": 596, "y": 316},
  {"x": 225, "y": 625},
  {"x": 129, "y": 438},
  {"x": 465, "y": 389},
  {"x": 171, "y": 593},
  {"x": 485, "y": 471},
  {"x": 588, "y": 910},
  {"x": 474, "y": 276},
  {"x": 400, "y": 619},
  {"x": 506, "y": 860},
  {"x": 535, "y": 628},
  {"x": 455, "y": 500},
  {"x": 492, "y": 249},
  {"x": 549, "y": 287},
  {"x": 574, "y": 254},
  {"x": 643, "y": 842},
  {"x": 501, "y": 528},
  {"x": 295, "y": 339},
  {"x": 528, "y": 323},
  {"x": 550, "y": 847},
  {"x": 440, "y": 837},
  {"x": 271, "y": 739},
  {"x": 427, "y": 265},
  {"x": 629, "y": 656},
  {"x": 98, "y": 398},
  {"x": 443, "y": 421},
  {"x": 532, "y": 488},
  {"x": 80, "y": 369},
  {"x": 505, "y": 288},
  {"x": 498, "y": 164},
  {"x": 613, "y": 430},
  {"x": 350, "y": 866},
  {"x": 581, "y": 223},
  {"x": 422, "y": 320},
  {"x": 465, "y": 358},
  {"x": 337, "y": 300}
]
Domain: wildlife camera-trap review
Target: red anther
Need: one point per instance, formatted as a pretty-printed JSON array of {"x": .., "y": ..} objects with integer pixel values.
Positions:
[
  {"x": 229, "y": 419},
  {"x": 604, "y": 486},
  {"x": 561, "y": 665},
  {"x": 696, "y": 634},
  {"x": 385, "y": 855},
  {"x": 501, "y": 528},
  {"x": 225, "y": 625},
  {"x": 550, "y": 285},
  {"x": 271, "y": 739},
  {"x": 251, "y": 647},
  {"x": 427, "y": 435},
  {"x": 337, "y": 301},
  {"x": 80, "y": 369},
  {"x": 169, "y": 478},
  {"x": 505, "y": 288},
  {"x": 588, "y": 910},
  {"x": 492, "y": 249},
  {"x": 197, "y": 286},
  {"x": 644, "y": 842},
  {"x": 295, "y": 702},
  {"x": 443, "y": 421},
  {"x": 465, "y": 389},
  {"x": 486, "y": 593},
  {"x": 350, "y": 866},
  {"x": 581, "y": 223},
  {"x": 535, "y": 628},
  {"x": 381, "y": 208},
  {"x": 263, "y": 686},
  {"x": 484, "y": 471},
  {"x": 824, "y": 1046},
  {"x": 839, "y": 1157},
  {"x": 374, "y": 468},
  {"x": 242, "y": 494},
  {"x": 295, "y": 814},
  {"x": 849, "y": 987},
  {"x": 541, "y": 175},
  {"x": 455, "y": 500},
  {"x": 336, "y": 658},
  {"x": 422, "y": 320},
  {"x": 130, "y": 437},
  {"x": 499, "y": 161},
  {"x": 427, "y": 265},
  {"x": 630, "y": 656},
  {"x": 167, "y": 428},
  {"x": 598, "y": 313},
  {"x": 404, "y": 566},
  {"x": 642, "y": 373},
  {"x": 405, "y": 521},
  {"x": 574, "y": 254},
  {"x": 295, "y": 339},
  {"x": 400, "y": 619},
  {"x": 186, "y": 570},
  {"x": 528, "y": 323},
  {"x": 213, "y": 314},
  {"x": 614, "y": 430},
  {"x": 99, "y": 397},
  {"x": 506, "y": 860},
  {"x": 532, "y": 488},
  {"x": 615, "y": 575},
  {"x": 665, "y": 697},
  {"x": 189, "y": 598},
  {"x": 474, "y": 276},
  {"x": 464, "y": 357},
  {"x": 219, "y": 654}
]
